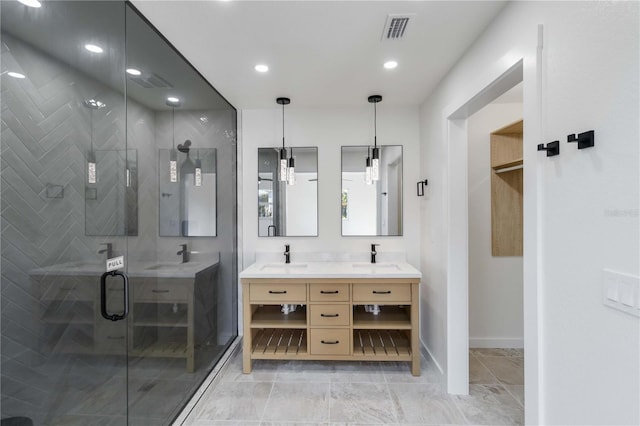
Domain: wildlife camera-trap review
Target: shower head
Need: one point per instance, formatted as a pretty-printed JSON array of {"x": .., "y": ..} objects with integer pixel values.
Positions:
[
  {"x": 184, "y": 147},
  {"x": 94, "y": 104}
]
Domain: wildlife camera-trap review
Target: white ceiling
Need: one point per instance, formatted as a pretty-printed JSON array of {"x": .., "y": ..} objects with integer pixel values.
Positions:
[{"x": 320, "y": 53}]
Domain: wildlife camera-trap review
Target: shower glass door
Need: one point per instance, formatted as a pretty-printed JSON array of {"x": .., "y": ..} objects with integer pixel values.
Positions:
[
  {"x": 65, "y": 212},
  {"x": 116, "y": 154}
]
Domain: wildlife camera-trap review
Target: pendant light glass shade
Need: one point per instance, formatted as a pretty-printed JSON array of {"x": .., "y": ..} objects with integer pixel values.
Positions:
[
  {"x": 291, "y": 176},
  {"x": 367, "y": 170},
  {"x": 375, "y": 162},
  {"x": 91, "y": 167},
  {"x": 283, "y": 165},
  {"x": 173, "y": 166},
  {"x": 197, "y": 174},
  {"x": 284, "y": 162}
]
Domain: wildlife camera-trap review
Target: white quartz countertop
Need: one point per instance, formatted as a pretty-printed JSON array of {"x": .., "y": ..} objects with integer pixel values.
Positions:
[
  {"x": 134, "y": 269},
  {"x": 331, "y": 270}
]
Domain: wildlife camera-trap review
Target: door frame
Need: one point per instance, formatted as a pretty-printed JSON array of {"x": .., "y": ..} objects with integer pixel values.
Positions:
[{"x": 525, "y": 68}]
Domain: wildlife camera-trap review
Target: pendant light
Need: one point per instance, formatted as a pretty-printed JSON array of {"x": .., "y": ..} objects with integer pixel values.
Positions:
[
  {"x": 367, "y": 170},
  {"x": 197, "y": 174},
  {"x": 173, "y": 156},
  {"x": 92, "y": 176},
  {"x": 283, "y": 152},
  {"x": 291, "y": 173},
  {"x": 375, "y": 162}
]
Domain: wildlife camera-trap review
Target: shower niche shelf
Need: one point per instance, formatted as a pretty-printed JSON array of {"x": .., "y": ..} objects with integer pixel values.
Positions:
[{"x": 332, "y": 324}]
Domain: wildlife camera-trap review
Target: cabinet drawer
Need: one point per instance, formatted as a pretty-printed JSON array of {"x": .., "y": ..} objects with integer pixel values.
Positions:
[
  {"x": 379, "y": 293},
  {"x": 327, "y": 315},
  {"x": 329, "y": 341},
  {"x": 329, "y": 292},
  {"x": 263, "y": 292},
  {"x": 111, "y": 337},
  {"x": 160, "y": 291}
]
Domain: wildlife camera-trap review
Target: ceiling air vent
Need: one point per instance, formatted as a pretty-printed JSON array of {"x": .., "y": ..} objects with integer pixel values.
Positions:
[
  {"x": 396, "y": 26},
  {"x": 151, "y": 81}
]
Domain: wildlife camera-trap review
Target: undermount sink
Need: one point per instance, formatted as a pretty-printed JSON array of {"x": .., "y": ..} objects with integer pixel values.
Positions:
[
  {"x": 283, "y": 266},
  {"x": 385, "y": 266}
]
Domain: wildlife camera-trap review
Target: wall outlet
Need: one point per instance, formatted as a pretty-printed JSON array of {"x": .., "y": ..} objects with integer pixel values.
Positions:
[{"x": 621, "y": 292}]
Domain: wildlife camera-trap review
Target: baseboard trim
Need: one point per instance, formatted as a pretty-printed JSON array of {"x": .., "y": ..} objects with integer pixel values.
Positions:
[
  {"x": 496, "y": 342},
  {"x": 427, "y": 354}
]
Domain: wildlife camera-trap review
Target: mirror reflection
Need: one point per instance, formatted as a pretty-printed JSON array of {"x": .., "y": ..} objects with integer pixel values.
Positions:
[
  {"x": 288, "y": 208},
  {"x": 111, "y": 194},
  {"x": 188, "y": 191},
  {"x": 371, "y": 207}
]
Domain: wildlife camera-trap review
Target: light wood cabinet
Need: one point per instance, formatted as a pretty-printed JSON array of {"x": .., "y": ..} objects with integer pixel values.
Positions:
[
  {"x": 331, "y": 323},
  {"x": 506, "y": 190}
]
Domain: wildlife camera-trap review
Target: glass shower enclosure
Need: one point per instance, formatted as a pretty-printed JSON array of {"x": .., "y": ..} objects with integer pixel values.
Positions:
[{"x": 118, "y": 200}]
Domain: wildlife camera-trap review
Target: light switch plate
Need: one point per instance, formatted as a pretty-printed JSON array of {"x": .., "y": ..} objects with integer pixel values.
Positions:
[{"x": 621, "y": 291}]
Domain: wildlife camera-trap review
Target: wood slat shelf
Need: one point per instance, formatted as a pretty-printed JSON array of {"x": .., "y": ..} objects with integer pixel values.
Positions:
[
  {"x": 390, "y": 318},
  {"x": 381, "y": 344},
  {"x": 270, "y": 316},
  {"x": 279, "y": 342},
  {"x": 161, "y": 349}
]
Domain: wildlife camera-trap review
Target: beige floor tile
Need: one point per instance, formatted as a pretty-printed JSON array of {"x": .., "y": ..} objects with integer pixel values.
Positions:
[
  {"x": 235, "y": 401},
  {"x": 481, "y": 352},
  {"x": 400, "y": 372},
  {"x": 517, "y": 391},
  {"x": 479, "y": 374},
  {"x": 361, "y": 402},
  {"x": 508, "y": 370},
  {"x": 425, "y": 404},
  {"x": 489, "y": 405},
  {"x": 295, "y": 402},
  {"x": 262, "y": 371}
]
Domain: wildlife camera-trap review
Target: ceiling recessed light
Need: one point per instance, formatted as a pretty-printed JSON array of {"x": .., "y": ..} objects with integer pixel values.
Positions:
[
  {"x": 31, "y": 3},
  {"x": 261, "y": 68},
  {"x": 93, "y": 48},
  {"x": 173, "y": 99},
  {"x": 15, "y": 74},
  {"x": 133, "y": 71},
  {"x": 390, "y": 65}
]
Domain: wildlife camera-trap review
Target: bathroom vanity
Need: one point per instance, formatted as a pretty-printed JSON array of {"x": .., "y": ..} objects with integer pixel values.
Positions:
[
  {"x": 343, "y": 311},
  {"x": 167, "y": 301}
]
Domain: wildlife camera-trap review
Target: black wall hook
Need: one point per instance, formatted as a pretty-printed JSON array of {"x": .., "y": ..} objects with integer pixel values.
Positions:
[
  {"x": 420, "y": 187},
  {"x": 585, "y": 140},
  {"x": 552, "y": 148}
]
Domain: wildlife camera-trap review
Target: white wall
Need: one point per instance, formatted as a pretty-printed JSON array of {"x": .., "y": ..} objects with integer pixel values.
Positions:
[
  {"x": 495, "y": 283},
  {"x": 585, "y": 355},
  {"x": 329, "y": 129}
]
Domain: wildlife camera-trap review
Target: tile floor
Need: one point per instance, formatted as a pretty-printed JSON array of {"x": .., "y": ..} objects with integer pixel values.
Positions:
[{"x": 340, "y": 393}]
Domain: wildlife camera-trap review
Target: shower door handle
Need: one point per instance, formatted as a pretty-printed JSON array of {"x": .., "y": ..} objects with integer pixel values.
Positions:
[{"x": 103, "y": 296}]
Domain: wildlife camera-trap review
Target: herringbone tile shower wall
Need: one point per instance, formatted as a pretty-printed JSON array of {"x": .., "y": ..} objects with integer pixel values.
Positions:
[{"x": 46, "y": 133}]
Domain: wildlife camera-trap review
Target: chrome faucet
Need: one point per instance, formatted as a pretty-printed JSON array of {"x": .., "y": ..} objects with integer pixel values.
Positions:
[
  {"x": 287, "y": 254},
  {"x": 373, "y": 252},
  {"x": 108, "y": 250},
  {"x": 184, "y": 252}
]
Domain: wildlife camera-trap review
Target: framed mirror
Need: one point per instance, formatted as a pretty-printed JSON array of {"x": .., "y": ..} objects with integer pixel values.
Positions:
[
  {"x": 188, "y": 193},
  {"x": 371, "y": 207},
  {"x": 285, "y": 209},
  {"x": 111, "y": 198}
]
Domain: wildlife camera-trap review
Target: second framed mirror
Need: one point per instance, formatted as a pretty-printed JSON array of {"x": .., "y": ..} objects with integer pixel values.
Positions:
[
  {"x": 371, "y": 207},
  {"x": 288, "y": 207}
]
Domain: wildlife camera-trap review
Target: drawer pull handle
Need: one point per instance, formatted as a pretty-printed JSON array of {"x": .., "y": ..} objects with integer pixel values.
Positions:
[
  {"x": 329, "y": 315},
  {"x": 329, "y": 292},
  {"x": 160, "y": 291},
  {"x": 325, "y": 342},
  {"x": 115, "y": 337},
  {"x": 278, "y": 292},
  {"x": 382, "y": 292}
]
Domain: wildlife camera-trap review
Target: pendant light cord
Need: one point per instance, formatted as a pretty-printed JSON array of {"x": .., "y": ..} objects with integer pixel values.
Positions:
[
  {"x": 283, "y": 126},
  {"x": 173, "y": 128},
  {"x": 91, "y": 127},
  {"x": 375, "y": 126}
]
